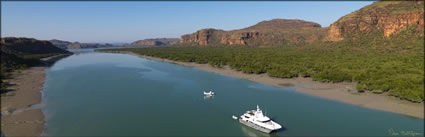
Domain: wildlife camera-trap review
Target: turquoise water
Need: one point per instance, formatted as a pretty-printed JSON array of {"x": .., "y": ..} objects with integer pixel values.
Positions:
[{"x": 106, "y": 94}]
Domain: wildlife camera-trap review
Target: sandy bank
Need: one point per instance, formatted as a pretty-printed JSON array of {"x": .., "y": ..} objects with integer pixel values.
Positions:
[
  {"x": 18, "y": 118},
  {"x": 26, "y": 90},
  {"x": 333, "y": 91}
]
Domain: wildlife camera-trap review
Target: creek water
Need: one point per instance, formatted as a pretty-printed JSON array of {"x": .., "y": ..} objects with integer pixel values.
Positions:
[{"x": 108, "y": 94}]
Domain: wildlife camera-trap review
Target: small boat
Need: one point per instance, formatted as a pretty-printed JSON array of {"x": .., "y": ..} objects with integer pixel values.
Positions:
[
  {"x": 209, "y": 93},
  {"x": 234, "y": 117}
]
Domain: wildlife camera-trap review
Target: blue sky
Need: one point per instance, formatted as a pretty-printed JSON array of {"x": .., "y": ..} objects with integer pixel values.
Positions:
[{"x": 131, "y": 21}]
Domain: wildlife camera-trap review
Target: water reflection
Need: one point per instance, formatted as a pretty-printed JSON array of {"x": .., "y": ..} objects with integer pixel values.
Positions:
[
  {"x": 83, "y": 50},
  {"x": 254, "y": 133},
  {"x": 208, "y": 97}
]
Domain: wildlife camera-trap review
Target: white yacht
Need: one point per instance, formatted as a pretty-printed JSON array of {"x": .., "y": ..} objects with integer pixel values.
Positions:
[
  {"x": 257, "y": 120},
  {"x": 209, "y": 93}
]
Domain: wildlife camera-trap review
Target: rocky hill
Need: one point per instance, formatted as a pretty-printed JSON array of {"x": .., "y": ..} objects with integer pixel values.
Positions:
[
  {"x": 265, "y": 33},
  {"x": 387, "y": 26},
  {"x": 387, "y": 18},
  {"x": 21, "y": 52},
  {"x": 28, "y": 46},
  {"x": 155, "y": 42}
]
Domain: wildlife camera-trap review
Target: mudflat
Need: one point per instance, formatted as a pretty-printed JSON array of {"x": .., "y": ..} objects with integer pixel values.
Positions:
[{"x": 18, "y": 118}]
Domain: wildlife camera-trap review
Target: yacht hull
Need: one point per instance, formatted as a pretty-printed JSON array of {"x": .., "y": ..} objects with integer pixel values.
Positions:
[{"x": 255, "y": 126}]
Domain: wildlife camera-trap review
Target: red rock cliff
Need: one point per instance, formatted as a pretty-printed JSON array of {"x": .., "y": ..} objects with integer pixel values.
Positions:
[
  {"x": 388, "y": 17},
  {"x": 271, "y": 32}
]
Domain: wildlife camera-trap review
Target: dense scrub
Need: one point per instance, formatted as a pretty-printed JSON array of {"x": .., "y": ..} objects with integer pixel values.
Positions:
[{"x": 400, "y": 75}]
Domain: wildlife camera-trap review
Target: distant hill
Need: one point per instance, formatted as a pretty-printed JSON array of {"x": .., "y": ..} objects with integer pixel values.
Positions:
[
  {"x": 60, "y": 43},
  {"x": 28, "y": 46},
  {"x": 265, "y": 33},
  {"x": 118, "y": 43},
  {"x": 76, "y": 45},
  {"x": 155, "y": 42}
]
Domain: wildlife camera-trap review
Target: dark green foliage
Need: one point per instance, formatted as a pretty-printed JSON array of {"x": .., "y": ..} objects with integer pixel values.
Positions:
[
  {"x": 29, "y": 46},
  {"x": 400, "y": 75}
]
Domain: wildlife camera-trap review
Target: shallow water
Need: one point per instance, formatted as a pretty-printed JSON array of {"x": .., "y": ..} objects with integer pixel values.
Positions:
[{"x": 106, "y": 94}]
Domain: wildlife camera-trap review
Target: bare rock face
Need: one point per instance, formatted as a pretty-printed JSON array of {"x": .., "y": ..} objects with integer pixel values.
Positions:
[
  {"x": 213, "y": 36},
  {"x": 271, "y": 32},
  {"x": 201, "y": 37},
  {"x": 239, "y": 38},
  {"x": 334, "y": 33},
  {"x": 397, "y": 23},
  {"x": 388, "y": 17}
]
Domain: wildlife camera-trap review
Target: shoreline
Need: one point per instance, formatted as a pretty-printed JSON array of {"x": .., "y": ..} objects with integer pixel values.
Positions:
[
  {"x": 21, "y": 113},
  {"x": 342, "y": 92},
  {"x": 18, "y": 119}
]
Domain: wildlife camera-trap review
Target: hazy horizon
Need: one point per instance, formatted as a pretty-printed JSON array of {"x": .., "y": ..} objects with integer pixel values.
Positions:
[{"x": 126, "y": 22}]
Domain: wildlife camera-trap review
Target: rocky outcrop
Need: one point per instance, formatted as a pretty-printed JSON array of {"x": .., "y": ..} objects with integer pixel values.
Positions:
[
  {"x": 386, "y": 17},
  {"x": 398, "y": 22},
  {"x": 273, "y": 32},
  {"x": 201, "y": 37},
  {"x": 239, "y": 38},
  {"x": 156, "y": 42},
  {"x": 334, "y": 33}
]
